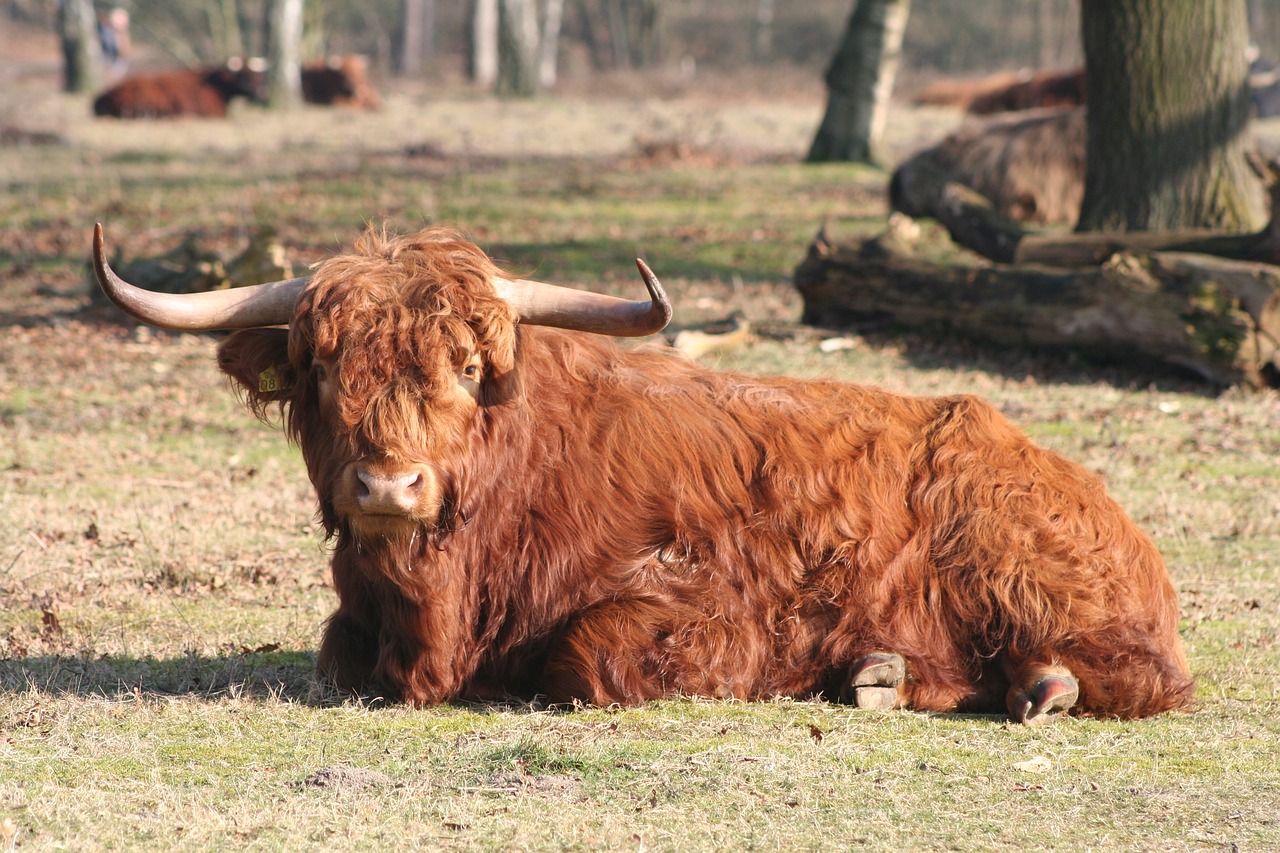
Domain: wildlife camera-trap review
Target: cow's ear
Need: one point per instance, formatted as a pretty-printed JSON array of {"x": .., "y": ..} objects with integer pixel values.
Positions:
[
  {"x": 258, "y": 361},
  {"x": 503, "y": 382}
]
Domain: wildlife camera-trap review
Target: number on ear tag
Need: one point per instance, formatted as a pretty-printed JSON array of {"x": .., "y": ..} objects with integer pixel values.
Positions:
[{"x": 269, "y": 380}]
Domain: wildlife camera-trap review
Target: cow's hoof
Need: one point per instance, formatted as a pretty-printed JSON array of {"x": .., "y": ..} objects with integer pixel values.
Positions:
[
  {"x": 875, "y": 679},
  {"x": 1044, "y": 701}
]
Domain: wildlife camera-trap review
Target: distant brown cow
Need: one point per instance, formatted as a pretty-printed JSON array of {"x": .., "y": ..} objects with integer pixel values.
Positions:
[
  {"x": 341, "y": 81},
  {"x": 1041, "y": 89},
  {"x": 183, "y": 92},
  {"x": 520, "y": 510},
  {"x": 1030, "y": 165},
  {"x": 1008, "y": 91},
  {"x": 960, "y": 92}
]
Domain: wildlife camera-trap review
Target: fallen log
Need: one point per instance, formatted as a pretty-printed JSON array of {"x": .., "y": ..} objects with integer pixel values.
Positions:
[{"x": 1216, "y": 317}]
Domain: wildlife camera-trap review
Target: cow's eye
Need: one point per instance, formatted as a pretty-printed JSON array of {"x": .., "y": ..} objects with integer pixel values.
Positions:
[{"x": 471, "y": 371}]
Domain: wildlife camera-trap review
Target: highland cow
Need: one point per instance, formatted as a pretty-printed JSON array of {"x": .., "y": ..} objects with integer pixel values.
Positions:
[
  {"x": 521, "y": 510},
  {"x": 1029, "y": 164},
  {"x": 203, "y": 92},
  {"x": 340, "y": 81}
]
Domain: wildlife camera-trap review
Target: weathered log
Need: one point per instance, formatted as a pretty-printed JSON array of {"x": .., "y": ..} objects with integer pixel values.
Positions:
[{"x": 1215, "y": 317}]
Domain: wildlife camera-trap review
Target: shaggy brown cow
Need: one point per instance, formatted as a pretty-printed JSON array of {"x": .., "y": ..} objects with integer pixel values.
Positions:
[
  {"x": 1030, "y": 165},
  {"x": 340, "y": 81},
  {"x": 1041, "y": 89},
  {"x": 523, "y": 510},
  {"x": 1008, "y": 91},
  {"x": 183, "y": 92}
]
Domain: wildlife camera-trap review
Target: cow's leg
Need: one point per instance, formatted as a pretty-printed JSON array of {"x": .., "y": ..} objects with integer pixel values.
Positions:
[
  {"x": 630, "y": 652},
  {"x": 348, "y": 654},
  {"x": 874, "y": 680},
  {"x": 609, "y": 655},
  {"x": 1040, "y": 691}
]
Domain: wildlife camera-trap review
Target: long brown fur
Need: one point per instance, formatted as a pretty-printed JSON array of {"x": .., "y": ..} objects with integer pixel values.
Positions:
[{"x": 621, "y": 525}]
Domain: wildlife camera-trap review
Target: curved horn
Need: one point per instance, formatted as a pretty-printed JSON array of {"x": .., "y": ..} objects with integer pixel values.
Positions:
[
  {"x": 269, "y": 304},
  {"x": 542, "y": 304}
]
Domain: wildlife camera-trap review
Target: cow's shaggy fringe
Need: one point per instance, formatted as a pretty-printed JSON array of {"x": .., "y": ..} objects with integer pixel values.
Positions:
[{"x": 621, "y": 525}]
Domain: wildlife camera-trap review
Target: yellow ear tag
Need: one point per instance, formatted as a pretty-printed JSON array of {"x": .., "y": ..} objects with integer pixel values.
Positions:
[{"x": 269, "y": 380}]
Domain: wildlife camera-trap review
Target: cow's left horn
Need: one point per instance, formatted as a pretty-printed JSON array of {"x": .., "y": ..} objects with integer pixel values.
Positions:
[
  {"x": 543, "y": 304},
  {"x": 269, "y": 304}
]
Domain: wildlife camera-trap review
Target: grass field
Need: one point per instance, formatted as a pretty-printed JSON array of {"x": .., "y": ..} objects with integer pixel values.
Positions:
[{"x": 163, "y": 579}]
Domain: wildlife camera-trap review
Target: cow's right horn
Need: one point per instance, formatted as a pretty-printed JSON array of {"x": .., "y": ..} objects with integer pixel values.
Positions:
[
  {"x": 269, "y": 304},
  {"x": 542, "y": 304}
]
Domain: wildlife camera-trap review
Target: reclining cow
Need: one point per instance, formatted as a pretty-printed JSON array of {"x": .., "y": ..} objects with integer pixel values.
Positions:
[
  {"x": 339, "y": 81},
  {"x": 201, "y": 92},
  {"x": 519, "y": 509}
]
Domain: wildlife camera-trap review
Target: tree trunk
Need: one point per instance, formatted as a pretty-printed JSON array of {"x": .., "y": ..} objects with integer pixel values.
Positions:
[
  {"x": 646, "y": 37},
  {"x": 860, "y": 81},
  {"x": 764, "y": 30},
  {"x": 548, "y": 49},
  {"x": 1217, "y": 318},
  {"x": 619, "y": 35},
  {"x": 517, "y": 47},
  {"x": 227, "y": 23},
  {"x": 417, "y": 35},
  {"x": 1166, "y": 84},
  {"x": 484, "y": 42},
  {"x": 600, "y": 60},
  {"x": 77, "y": 30},
  {"x": 284, "y": 53}
]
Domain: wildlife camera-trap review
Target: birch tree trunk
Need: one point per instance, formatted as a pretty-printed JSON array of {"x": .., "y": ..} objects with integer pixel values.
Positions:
[
  {"x": 860, "y": 81},
  {"x": 1169, "y": 112},
  {"x": 484, "y": 42},
  {"x": 548, "y": 49},
  {"x": 284, "y": 53},
  {"x": 418, "y": 35}
]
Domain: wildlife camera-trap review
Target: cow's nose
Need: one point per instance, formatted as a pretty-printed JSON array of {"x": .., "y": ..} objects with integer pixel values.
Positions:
[{"x": 394, "y": 493}]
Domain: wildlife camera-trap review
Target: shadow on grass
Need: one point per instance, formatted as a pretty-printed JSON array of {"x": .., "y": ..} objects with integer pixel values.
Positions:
[
  {"x": 287, "y": 676},
  {"x": 943, "y": 351},
  {"x": 255, "y": 675},
  {"x": 270, "y": 676}
]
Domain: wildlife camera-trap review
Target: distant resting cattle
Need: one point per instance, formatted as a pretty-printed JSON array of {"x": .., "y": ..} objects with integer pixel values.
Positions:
[
  {"x": 1008, "y": 91},
  {"x": 1030, "y": 164},
  {"x": 203, "y": 92},
  {"x": 339, "y": 81},
  {"x": 520, "y": 510}
]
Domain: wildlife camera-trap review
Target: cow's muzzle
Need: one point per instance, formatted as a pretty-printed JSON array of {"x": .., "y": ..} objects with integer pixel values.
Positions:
[
  {"x": 380, "y": 498},
  {"x": 396, "y": 493}
]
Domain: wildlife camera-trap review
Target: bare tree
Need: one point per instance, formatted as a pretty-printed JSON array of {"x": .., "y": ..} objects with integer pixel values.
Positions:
[
  {"x": 418, "y": 35},
  {"x": 484, "y": 42},
  {"x": 548, "y": 49},
  {"x": 517, "y": 47},
  {"x": 764, "y": 29},
  {"x": 1166, "y": 83},
  {"x": 860, "y": 81},
  {"x": 284, "y": 52},
  {"x": 78, "y": 32},
  {"x": 511, "y": 51}
]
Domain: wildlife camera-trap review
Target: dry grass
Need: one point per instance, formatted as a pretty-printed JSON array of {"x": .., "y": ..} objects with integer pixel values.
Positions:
[{"x": 162, "y": 579}]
